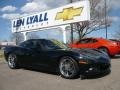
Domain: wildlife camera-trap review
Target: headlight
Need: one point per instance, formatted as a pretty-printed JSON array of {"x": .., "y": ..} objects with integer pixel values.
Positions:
[
  {"x": 82, "y": 61},
  {"x": 81, "y": 56}
]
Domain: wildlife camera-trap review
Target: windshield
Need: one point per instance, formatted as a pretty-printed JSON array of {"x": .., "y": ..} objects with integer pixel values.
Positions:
[{"x": 54, "y": 44}]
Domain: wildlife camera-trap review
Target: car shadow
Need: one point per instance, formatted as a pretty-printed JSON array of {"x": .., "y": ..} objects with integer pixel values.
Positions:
[
  {"x": 41, "y": 70},
  {"x": 116, "y": 57},
  {"x": 81, "y": 76},
  {"x": 96, "y": 76}
]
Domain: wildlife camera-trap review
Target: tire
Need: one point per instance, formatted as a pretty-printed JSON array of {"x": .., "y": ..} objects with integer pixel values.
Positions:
[
  {"x": 68, "y": 68},
  {"x": 104, "y": 50},
  {"x": 12, "y": 61}
]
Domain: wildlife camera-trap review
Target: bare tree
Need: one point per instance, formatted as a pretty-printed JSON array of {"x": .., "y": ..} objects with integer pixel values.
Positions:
[
  {"x": 97, "y": 21},
  {"x": 33, "y": 35},
  {"x": 17, "y": 37}
]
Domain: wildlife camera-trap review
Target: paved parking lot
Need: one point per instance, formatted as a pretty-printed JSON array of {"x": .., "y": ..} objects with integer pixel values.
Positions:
[{"x": 22, "y": 79}]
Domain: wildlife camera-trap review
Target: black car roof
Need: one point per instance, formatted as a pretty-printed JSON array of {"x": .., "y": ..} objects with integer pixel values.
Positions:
[{"x": 37, "y": 39}]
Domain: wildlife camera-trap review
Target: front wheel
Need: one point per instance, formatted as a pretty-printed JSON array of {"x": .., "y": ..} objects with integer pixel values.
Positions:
[
  {"x": 68, "y": 68},
  {"x": 104, "y": 50},
  {"x": 12, "y": 61}
]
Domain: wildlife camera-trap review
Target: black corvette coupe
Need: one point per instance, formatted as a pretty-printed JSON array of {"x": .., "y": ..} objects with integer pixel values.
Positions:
[{"x": 53, "y": 55}]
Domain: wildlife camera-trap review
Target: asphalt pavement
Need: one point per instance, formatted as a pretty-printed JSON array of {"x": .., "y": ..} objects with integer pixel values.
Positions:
[{"x": 24, "y": 79}]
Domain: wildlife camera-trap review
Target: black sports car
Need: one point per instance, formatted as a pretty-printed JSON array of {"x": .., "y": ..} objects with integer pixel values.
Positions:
[{"x": 53, "y": 55}]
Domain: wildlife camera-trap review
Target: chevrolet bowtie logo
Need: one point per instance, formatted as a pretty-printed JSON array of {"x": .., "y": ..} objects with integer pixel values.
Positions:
[{"x": 69, "y": 13}]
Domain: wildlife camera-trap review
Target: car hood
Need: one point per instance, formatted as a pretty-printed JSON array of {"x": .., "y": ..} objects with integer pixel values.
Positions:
[{"x": 92, "y": 54}]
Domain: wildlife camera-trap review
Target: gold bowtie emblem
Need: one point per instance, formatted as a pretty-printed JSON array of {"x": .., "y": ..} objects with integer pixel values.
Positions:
[{"x": 69, "y": 13}]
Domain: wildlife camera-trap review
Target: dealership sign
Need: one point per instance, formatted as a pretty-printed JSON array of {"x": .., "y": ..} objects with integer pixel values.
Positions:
[{"x": 71, "y": 13}]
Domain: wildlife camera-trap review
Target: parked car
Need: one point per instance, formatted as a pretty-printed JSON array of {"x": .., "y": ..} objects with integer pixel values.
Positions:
[
  {"x": 55, "y": 56},
  {"x": 109, "y": 46},
  {"x": 2, "y": 47}
]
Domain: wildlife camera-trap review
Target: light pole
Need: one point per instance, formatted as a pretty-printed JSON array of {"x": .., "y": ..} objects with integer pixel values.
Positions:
[
  {"x": 106, "y": 18},
  {"x": 71, "y": 27}
]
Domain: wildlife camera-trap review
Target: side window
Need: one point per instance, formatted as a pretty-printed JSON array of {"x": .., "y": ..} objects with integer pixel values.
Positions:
[
  {"x": 84, "y": 41},
  {"x": 37, "y": 44},
  {"x": 87, "y": 41},
  {"x": 47, "y": 44},
  {"x": 92, "y": 41},
  {"x": 27, "y": 44},
  {"x": 32, "y": 44},
  {"x": 23, "y": 44}
]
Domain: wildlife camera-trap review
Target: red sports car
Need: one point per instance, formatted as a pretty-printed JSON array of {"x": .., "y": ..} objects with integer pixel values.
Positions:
[{"x": 109, "y": 46}]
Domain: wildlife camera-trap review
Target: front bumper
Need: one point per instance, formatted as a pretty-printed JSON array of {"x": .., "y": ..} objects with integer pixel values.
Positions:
[
  {"x": 114, "y": 50},
  {"x": 94, "y": 69}
]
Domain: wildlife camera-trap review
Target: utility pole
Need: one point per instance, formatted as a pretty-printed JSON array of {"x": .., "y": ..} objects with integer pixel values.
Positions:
[
  {"x": 106, "y": 18},
  {"x": 71, "y": 27}
]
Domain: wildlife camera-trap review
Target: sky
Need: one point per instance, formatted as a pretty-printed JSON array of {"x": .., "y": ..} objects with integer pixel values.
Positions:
[{"x": 10, "y": 9}]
